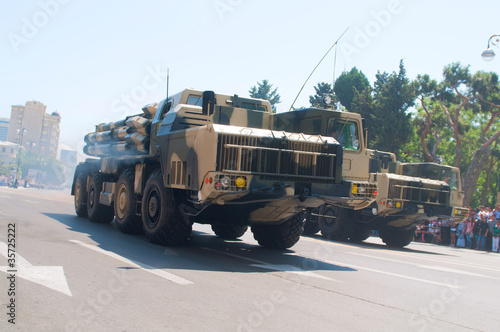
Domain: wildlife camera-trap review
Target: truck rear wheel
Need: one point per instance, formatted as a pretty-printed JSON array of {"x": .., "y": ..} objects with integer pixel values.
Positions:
[
  {"x": 282, "y": 236},
  {"x": 162, "y": 221},
  {"x": 96, "y": 211},
  {"x": 125, "y": 204},
  {"x": 397, "y": 237},
  {"x": 337, "y": 223},
  {"x": 81, "y": 194},
  {"x": 229, "y": 232},
  {"x": 360, "y": 233}
]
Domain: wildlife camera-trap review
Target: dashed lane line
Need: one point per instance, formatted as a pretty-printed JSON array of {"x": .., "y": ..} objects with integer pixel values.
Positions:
[
  {"x": 274, "y": 267},
  {"x": 429, "y": 267},
  {"x": 145, "y": 267},
  {"x": 389, "y": 273}
]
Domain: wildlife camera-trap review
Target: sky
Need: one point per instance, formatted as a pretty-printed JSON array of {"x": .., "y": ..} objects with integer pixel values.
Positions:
[{"x": 98, "y": 61}]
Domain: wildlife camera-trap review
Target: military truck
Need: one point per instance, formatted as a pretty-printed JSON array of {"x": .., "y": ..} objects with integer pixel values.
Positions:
[
  {"x": 404, "y": 199},
  {"x": 448, "y": 174},
  {"x": 213, "y": 159}
]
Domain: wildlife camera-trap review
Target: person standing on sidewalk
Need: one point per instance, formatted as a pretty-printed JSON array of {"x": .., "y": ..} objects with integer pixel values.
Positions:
[
  {"x": 468, "y": 231},
  {"x": 496, "y": 236},
  {"x": 483, "y": 232}
]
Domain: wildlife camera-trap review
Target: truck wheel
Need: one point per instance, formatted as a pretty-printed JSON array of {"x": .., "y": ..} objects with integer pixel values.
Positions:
[
  {"x": 397, "y": 237},
  {"x": 162, "y": 221},
  {"x": 96, "y": 211},
  {"x": 281, "y": 236},
  {"x": 81, "y": 194},
  {"x": 229, "y": 232},
  {"x": 360, "y": 233},
  {"x": 337, "y": 223},
  {"x": 311, "y": 225},
  {"x": 125, "y": 203}
]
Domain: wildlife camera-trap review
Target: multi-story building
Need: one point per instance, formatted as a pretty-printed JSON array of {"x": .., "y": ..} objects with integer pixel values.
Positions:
[
  {"x": 34, "y": 129},
  {"x": 4, "y": 129},
  {"x": 8, "y": 153}
]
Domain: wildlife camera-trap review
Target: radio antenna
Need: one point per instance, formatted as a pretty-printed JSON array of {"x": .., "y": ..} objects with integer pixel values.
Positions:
[
  {"x": 324, "y": 56},
  {"x": 168, "y": 75}
]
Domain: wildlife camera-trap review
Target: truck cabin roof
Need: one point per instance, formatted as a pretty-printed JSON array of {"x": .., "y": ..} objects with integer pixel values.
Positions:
[{"x": 195, "y": 98}]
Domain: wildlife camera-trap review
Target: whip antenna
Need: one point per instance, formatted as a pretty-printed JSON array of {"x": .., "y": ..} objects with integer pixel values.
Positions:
[{"x": 324, "y": 56}]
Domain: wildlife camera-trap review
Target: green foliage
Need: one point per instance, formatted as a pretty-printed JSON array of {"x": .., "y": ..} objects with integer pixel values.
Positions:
[
  {"x": 385, "y": 109},
  {"x": 347, "y": 84},
  {"x": 265, "y": 91},
  {"x": 457, "y": 118},
  {"x": 50, "y": 170}
]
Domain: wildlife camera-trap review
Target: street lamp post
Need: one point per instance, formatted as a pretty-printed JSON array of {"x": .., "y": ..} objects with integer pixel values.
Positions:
[
  {"x": 488, "y": 53},
  {"x": 16, "y": 181},
  {"x": 29, "y": 162}
]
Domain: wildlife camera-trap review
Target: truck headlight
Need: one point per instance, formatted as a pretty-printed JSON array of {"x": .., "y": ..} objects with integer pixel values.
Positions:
[
  {"x": 226, "y": 182},
  {"x": 241, "y": 182},
  {"x": 354, "y": 189}
]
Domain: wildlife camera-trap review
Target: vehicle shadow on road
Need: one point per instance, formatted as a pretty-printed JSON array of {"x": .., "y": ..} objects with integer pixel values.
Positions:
[
  {"x": 204, "y": 251},
  {"x": 369, "y": 245}
]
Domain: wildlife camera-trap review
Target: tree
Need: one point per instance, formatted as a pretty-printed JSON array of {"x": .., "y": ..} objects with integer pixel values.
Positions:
[
  {"x": 322, "y": 89},
  {"x": 385, "y": 109},
  {"x": 265, "y": 91},
  {"x": 347, "y": 84},
  {"x": 462, "y": 110}
]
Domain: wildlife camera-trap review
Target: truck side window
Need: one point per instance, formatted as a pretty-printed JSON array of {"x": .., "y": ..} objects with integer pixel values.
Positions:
[
  {"x": 195, "y": 100},
  {"x": 165, "y": 110},
  {"x": 310, "y": 126},
  {"x": 346, "y": 133}
]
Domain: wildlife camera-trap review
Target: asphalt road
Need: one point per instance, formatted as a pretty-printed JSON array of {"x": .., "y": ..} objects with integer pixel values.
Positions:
[{"x": 73, "y": 275}]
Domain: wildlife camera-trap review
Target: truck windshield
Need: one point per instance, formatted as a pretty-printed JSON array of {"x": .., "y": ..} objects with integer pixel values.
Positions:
[
  {"x": 345, "y": 132},
  {"x": 433, "y": 172}
]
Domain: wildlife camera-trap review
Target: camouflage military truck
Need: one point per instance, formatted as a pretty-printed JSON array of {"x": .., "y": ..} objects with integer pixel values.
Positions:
[
  {"x": 404, "y": 199},
  {"x": 212, "y": 159},
  {"x": 448, "y": 174}
]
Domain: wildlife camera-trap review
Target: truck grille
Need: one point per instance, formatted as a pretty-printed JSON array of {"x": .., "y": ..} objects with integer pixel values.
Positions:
[
  {"x": 420, "y": 192},
  {"x": 276, "y": 157}
]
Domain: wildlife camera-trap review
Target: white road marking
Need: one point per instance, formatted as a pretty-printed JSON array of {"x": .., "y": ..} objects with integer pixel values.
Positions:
[
  {"x": 421, "y": 257},
  {"x": 145, "y": 267},
  {"x": 28, "y": 201},
  {"x": 389, "y": 273},
  {"x": 52, "y": 277},
  {"x": 430, "y": 267},
  {"x": 274, "y": 267}
]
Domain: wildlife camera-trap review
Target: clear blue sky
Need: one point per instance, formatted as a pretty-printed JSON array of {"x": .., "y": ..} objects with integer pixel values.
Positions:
[{"x": 95, "y": 61}]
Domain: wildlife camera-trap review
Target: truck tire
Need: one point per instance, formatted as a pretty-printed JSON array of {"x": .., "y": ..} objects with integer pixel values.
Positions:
[
  {"x": 229, "y": 232},
  {"x": 360, "y": 233},
  {"x": 338, "y": 223},
  {"x": 397, "y": 237},
  {"x": 127, "y": 220},
  {"x": 96, "y": 211},
  {"x": 282, "y": 236},
  {"x": 81, "y": 194},
  {"x": 161, "y": 219},
  {"x": 311, "y": 225}
]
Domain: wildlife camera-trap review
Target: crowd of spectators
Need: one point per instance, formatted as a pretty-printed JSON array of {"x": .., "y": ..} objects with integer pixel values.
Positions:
[{"x": 480, "y": 230}]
